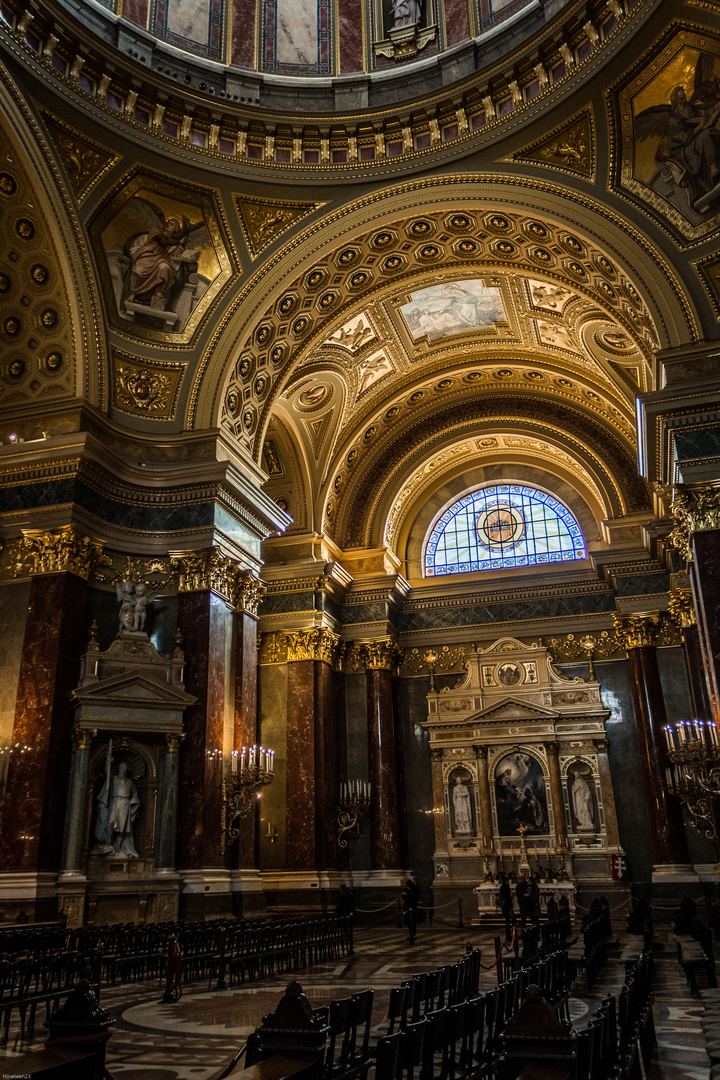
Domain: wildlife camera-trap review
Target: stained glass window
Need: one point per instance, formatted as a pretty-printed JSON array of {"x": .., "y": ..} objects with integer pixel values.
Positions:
[{"x": 503, "y": 526}]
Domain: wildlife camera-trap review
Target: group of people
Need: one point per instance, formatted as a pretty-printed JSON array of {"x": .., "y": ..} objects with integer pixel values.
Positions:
[{"x": 527, "y": 892}]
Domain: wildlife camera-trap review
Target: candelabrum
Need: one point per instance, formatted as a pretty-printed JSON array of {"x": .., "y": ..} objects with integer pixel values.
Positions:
[
  {"x": 251, "y": 768},
  {"x": 693, "y": 775},
  {"x": 354, "y": 802}
]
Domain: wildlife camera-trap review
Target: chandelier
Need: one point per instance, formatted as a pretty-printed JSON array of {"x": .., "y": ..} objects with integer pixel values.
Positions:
[
  {"x": 693, "y": 775},
  {"x": 251, "y": 768},
  {"x": 354, "y": 802}
]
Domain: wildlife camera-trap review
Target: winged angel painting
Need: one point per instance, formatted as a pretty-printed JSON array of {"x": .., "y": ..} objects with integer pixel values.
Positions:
[
  {"x": 677, "y": 138},
  {"x": 161, "y": 261}
]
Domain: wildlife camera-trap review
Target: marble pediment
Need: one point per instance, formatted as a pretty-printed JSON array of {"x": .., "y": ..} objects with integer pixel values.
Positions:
[
  {"x": 513, "y": 709},
  {"x": 133, "y": 689}
]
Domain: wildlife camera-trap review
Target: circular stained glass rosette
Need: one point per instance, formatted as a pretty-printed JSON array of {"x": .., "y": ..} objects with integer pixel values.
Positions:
[{"x": 500, "y": 526}]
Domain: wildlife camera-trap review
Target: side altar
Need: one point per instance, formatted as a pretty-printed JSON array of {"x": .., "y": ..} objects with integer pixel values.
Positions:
[
  {"x": 119, "y": 852},
  {"x": 521, "y": 779}
]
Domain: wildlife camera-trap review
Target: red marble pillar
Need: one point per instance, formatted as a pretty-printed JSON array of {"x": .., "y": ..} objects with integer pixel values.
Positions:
[
  {"x": 402, "y": 797},
  {"x": 243, "y": 33},
  {"x": 379, "y": 658},
  {"x": 245, "y": 721},
  {"x": 683, "y": 612},
  {"x": 637, "y": 633},
  {"x": 301, "y": 764},
  {"x": 205, "y": 621},
  {"x": 350, "y": 37},
  {"x": 55, "y": 638},
  {"x": 343, "y": 854},
  {"x": 705, "y": 579},
  {"x": 327, "y": 783}
]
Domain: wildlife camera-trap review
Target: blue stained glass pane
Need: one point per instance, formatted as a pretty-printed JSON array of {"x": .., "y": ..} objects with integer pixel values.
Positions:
[{"x": 503, "y": 526}]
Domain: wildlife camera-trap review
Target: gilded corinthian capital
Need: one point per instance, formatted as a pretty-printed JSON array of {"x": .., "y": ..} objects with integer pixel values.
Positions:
[
  {"x": 210, "y": 570},
  {"x": 695, "y": 509},
  {"x": 635, "y": 631},
  {"x": 384, "y": 654},
  {"x": 681, "y": 608},
  {"x": 62, "y": 550},
  {"x": 316, "y": 644}
]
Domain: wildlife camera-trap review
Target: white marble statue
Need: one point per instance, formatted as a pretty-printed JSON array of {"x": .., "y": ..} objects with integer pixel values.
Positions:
[
  {"x": 461, "y": 805},
  {"x": 134, "y": 598},
  {"x": 405, "y": 13},
  {"x": 582, "y": 804},
  {"x": 118, "y": 807}
]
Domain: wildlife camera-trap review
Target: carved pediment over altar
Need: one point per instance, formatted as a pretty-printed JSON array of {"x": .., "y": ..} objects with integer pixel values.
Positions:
[
  {"x": 131, "y": 687},
  {"x": 511, "y": 682}
]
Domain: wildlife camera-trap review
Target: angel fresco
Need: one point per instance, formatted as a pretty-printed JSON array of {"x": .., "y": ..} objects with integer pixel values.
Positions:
[
  {"x": 156, "y": 266},
  {"x": 687, "y": 155}
]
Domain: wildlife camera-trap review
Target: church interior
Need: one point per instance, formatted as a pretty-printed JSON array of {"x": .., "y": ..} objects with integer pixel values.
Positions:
[{"x": 359, "y": 455}]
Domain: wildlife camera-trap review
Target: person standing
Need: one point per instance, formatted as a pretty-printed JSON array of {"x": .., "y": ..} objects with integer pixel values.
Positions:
[
  {"x": 410, "y": 903},
  {"x": 505, "y": 903}
]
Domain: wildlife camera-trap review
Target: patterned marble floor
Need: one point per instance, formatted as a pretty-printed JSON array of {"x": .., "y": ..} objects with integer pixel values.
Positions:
[{"x": 192, "y": 1038}]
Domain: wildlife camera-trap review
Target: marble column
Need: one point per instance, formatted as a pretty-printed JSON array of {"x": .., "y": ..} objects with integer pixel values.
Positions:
[
  {"x": 637, "y": 634},
  {"x": 208, "y": 584},
  {"x": 54, "y": 640},
  {"x": 300, "y": 799},
  {"x": 556, "y": 795},
  {"x": 402, "y": 788},
  {"x": 379, "y": 658},
  {"x": 682, "y": 610},
  {"x": 77, "y": 800},
  {"x": 441, "y": 838},
  {"x": 696, "y": 510},
  {"x": 245, "y": 727},
  {"x": 606, "y": 792},
  {"x": 165, "y": 859},
  {"x": 486, "y": 828}
]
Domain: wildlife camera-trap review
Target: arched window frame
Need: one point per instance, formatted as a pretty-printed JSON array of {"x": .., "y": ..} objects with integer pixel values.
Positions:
[{"x": 522, "y": 551}]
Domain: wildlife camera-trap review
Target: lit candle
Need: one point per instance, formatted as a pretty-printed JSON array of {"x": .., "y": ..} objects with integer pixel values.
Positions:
[
  {"x": 680, "y": 729},
  {"x": 233, "y": 761},
  {"x": 714, "y": 733},
  {"x": 669, "y": 737}
]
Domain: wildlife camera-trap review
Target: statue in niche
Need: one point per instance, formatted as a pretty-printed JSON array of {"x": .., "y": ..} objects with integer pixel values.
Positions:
[
  {"x": 405, "y": 13},
  {"x": 461, "y": 807},
  {"x": 134, "y": 598},
  {"x": 118, "y": 805},
  {"x": 582, "y": 801}
]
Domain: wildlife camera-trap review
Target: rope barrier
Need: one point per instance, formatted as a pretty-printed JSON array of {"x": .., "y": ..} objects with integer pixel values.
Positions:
[
  {"x": 372, "y": 910},
  {"x": 503, "y": 948},
  {"x": 617, "y": 907}
]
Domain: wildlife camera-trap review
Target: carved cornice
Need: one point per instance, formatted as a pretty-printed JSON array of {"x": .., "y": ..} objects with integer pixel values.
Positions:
[
  {"x": 212, "y": 571},
  {"x": 681, "y": 608},
  {"x": 57, "y": 551},
  {"x": 381, "y": 655},
  {"x": 82, "y": 738},
  {"x": 637, "y": 631},
  {"x": 695, "y": 509}
]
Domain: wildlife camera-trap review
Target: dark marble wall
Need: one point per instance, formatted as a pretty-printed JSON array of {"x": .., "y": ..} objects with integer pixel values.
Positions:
[
  {"x": 54, "y": 640},
  {"x": 245, "y": 720},
  {"x": 14, "y": 598},
  {"x": 327, "y": 781}
]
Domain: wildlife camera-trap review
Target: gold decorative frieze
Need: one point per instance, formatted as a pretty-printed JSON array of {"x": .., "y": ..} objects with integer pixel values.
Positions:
[
  {"x": 695, "y": 509},
  {"x": 423, "y": 661},
  {"x": 682, "y": 608},
  {"x": 637, "y": 631},
  {"x": 64, "y": 550},
  {"x": 575, "y": 647},
  {"x": 383, "y": 654}
]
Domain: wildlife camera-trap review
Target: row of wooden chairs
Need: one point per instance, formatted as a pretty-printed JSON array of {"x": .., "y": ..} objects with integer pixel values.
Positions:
[
  {"x": 27, "y": 982},
  {"x": 461, "y": 1040},
  {"x": 620, "y": 1038}
]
